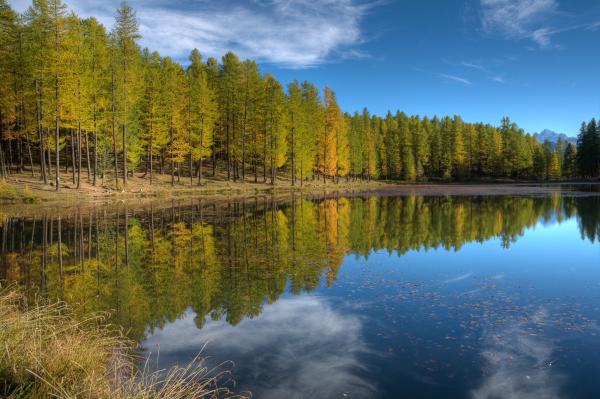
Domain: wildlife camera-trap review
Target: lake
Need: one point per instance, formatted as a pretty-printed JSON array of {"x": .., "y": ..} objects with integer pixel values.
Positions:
[{"x": 362, "y": 297}]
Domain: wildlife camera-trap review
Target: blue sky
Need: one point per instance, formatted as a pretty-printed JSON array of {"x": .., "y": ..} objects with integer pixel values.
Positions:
[{"x": 537, "y": 61}]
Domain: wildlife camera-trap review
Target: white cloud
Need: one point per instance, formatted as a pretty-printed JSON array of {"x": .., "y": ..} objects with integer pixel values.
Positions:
[
  {"x": 518, "y": 19},
  {"x": 455, "y": 78},
  {"x": 297, "y": 347},
  {"x": 292, "y": 33},
  {"x": 541, "y": 36}
]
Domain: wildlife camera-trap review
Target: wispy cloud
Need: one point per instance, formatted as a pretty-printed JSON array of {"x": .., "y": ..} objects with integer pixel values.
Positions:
[
  {"x": 455, "y": 78},
  {"x": 485, "y": 70},
  {"x": 291, "y": 33},
  {"x": 534, "y": 20},
  {"x": 518, "y": 19},
  {"x": 474, "y": 66},
  {"x": 519, "y": 364}
]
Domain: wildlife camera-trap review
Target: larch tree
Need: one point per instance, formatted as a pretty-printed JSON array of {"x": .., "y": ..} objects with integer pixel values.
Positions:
[
  {"x": 447, "y": 146},
  {"x": 306, "y": 153},
  {"x": 369, "y": 146},
  {"x": 355, "y": 144},
  {"x": 153, "y": 125},
  {"x": 96, "y": 72},
  {"x": 212, "y": 76},
  {"x": 8, "y": 32},
  {"x": 126, "y": 34},
  {"x": 173, "y": 112},
  {"x": 38, "y": 44},
  {"x": 421, "y": 148},
  {"x": 405, "y": 140},
  {"x": 342, "y": 149},
  {"x": 392, "y": 147},
  {"x": 251, "y": 87},
  {"x": 229, "y": 98},
  {"x": 458, "y": 152},
  {"x": 296, "y": 123},
  {"x": 275, "y": 125},
  {"x": 328, "y": 157},
  {"x": 202, "y": 109},
  {"x": 71, "y": 67}
]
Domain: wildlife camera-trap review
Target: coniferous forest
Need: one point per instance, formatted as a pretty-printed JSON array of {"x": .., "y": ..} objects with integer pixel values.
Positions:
[{"x": 79, "y": 103}]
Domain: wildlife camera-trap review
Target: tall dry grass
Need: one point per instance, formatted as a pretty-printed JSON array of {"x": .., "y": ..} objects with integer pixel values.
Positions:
[{"x": 45, "y": 351}]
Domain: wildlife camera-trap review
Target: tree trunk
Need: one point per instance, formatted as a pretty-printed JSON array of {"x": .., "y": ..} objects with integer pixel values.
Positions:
[
  {"x": 113, "y": 127},
  {"x": 87, "y": 156},
  {"x": 3, "y": 172},
  {"x": 265, "y": 158},
  {"x": 200, "y": 171},
  {"x": 39, "y": 113},
  {"x": 30, "y": 155},
  {"x": 214, "y": 163},
  {"x": 172, "y": 161},
  {"x": 124, "y": 153},
  {"x": 49, "y": 154},
  {"x": 73, "y": 155},
  {"x": 79, "y": 154},
  {"x": 95, "y": 139},
  {"x": 228, "y": 154},
  {"x": 95, "y": 150},
  {"x": 57, "y": 104},
  {"x": 150, "y": 153},
  {"x": 293, "y": 158},
  {"x": 191, "y": 161}
]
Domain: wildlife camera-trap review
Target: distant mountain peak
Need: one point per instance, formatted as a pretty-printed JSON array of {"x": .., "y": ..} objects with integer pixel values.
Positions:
[{"x": 553, "y": 137}]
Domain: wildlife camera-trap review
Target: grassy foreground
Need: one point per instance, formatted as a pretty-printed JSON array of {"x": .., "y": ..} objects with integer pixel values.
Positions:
[{"x": 45, "y": 351}]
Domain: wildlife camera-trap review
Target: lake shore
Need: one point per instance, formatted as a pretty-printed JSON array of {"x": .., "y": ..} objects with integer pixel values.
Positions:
[{"x": 23, "y": 189}]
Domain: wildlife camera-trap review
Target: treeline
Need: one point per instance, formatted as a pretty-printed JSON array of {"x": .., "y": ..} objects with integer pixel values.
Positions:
[
  {"x": 76, "y": 99},
  {"x": 586, "y": 160},
  {"x": 227, "y": 261}
]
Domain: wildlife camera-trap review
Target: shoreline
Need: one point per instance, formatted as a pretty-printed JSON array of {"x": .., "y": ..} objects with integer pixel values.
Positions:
[{"x": 31, "y": 195}]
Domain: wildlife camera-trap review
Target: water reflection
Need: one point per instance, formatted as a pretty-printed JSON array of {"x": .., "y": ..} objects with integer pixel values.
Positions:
[
  {"x": 384, "y": 308},
  {"x": 301, "y": 347},
  {"x": 520, "y": 363},
  {"x": 226, "y": 261}
]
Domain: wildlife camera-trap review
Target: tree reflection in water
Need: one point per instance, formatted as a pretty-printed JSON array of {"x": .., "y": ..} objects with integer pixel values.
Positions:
[{"x": 225, "y": 262}]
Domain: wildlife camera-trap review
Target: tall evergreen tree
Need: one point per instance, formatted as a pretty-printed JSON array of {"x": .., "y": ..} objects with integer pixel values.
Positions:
[
  {"x": 126, "y": 34},
  {"x": 202, "y": 113},
  {"x": 275, "y": 125}
]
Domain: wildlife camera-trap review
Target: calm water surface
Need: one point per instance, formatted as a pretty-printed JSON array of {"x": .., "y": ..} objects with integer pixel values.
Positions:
[{"x": 379, "y": 297}]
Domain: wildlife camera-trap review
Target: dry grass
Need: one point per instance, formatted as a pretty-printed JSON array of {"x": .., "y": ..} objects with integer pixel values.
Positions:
[
  {"x": 45, "y": 351},
  {"x": 12, "y": 193},
  {"x": 138, "y": 187}
]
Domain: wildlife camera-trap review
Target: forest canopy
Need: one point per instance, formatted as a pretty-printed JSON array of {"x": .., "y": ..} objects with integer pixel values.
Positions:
[{"x": 76, "y": 98}]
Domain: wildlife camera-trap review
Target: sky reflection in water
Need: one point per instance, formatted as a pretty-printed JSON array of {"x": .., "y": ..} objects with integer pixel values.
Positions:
[
  {"x": 417, "y": 297},
  {"x": 482, "y": 322}
]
